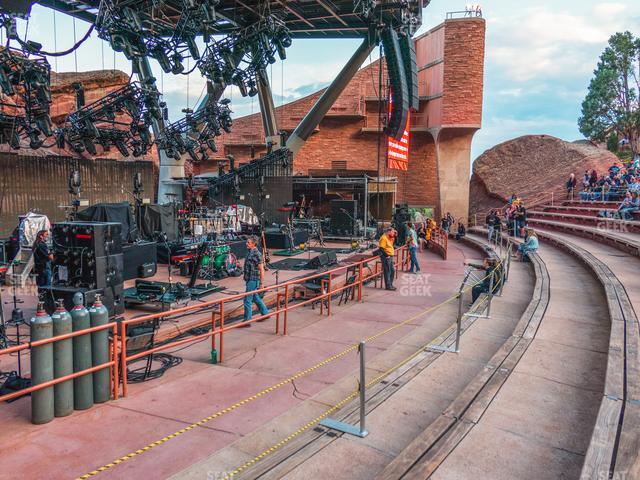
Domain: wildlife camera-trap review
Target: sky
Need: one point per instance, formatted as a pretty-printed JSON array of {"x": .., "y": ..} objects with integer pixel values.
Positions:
[{"x": 540, "y": 57}]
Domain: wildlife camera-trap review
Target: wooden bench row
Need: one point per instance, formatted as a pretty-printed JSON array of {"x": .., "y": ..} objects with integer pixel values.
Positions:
[
  {"x": 604, "y": 236},
  {"x": 615, "y": 444},
  {"x": 423, "y": 456}
]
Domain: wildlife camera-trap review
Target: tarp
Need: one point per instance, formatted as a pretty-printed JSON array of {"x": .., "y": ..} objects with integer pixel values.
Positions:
[
  {"x": 158, "y": 218},
  {"x": 112, "y": 212},
  {"x": 30, "y": 225}
]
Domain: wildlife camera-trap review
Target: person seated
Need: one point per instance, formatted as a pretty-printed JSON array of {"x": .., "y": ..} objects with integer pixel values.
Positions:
[
  {"x": 629, "y": 206},
  {"x": 530, "y": 245},
  {"x": 492, "y": 275},
  {"x": 462, "y": 231}
]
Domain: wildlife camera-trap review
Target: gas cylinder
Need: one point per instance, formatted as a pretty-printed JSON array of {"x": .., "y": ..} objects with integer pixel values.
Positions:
[
  {"x": 100, "y": 351},
  {"x": 82, "y": 386},
  {"x": 62, "y": 361},
  {"x": 42, "y": 410}
]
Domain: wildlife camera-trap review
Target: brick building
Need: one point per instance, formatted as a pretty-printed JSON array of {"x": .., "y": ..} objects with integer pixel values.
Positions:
[{"x": 450, "y": 71}]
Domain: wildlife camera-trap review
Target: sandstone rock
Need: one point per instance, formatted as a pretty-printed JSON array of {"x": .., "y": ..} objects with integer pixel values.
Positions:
[{"x": 532, "y": 167}]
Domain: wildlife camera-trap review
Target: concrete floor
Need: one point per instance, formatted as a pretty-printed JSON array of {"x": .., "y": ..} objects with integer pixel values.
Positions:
[{"x": 255, "y": 359}]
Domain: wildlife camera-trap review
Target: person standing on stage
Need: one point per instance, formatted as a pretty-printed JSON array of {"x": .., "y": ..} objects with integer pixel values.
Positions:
[
  {"x": 42, "y": 259},
  {"x": 386, "y": 255},
  {"x": 254, "y": 279},
  {"x": 412, "y": 243}
]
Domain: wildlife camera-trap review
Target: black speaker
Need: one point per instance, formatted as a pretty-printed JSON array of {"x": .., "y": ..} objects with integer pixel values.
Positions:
[
  {"x": 343, "y": 216},
  {"x": 136, "y": 255},
  {"x": 323, "y": 260},
  {"x": 80, "y": 270},
  {"x": 277, "y": 240},
  {"x": 100, "y": 238},
  {"x": 408, "y": 52},
  {"x": 398, "y": 80}
]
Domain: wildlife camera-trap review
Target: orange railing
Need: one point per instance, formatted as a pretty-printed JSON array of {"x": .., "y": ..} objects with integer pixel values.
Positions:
[
  {"x": 283, "y": 293},
  {"x": 439, "y": 242},
  {"x": 112, "y": 364},
  {"x": 118, "y": 342}
]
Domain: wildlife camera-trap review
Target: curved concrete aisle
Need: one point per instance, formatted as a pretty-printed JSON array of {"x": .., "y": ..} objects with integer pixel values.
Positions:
[{"x": 539, "y": 425}]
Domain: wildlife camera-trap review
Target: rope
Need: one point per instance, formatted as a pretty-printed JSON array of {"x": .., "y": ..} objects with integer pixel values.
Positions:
[{"x": 274, "y": 387}]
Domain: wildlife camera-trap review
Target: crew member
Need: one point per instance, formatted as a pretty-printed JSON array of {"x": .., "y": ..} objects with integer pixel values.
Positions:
[
  {"x": 254, "y": 279},
  {"x": 42, "y": 258},
  {"x": 386, "y": 255},
  {"x": 412, "y": 243}
]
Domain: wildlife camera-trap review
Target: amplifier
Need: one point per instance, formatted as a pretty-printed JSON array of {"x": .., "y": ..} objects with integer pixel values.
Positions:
[
  {"x": 77, "y": 269},
  {"x": 277, "y": 240},
  {"x": 111, "y": 298},
  {"x": 101, "y": 238},
  {"x": 147, "y": 270},
  {"x": 136, "y": 256},
  {"x": 323, "y": 260}
]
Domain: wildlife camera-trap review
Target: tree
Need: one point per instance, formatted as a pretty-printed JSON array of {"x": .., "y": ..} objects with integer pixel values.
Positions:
[{"x": 612, "y": 103}]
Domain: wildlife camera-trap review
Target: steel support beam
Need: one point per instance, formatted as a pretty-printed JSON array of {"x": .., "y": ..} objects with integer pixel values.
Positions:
[
  {"x": 312, "y": 119},
  {"x": 170, "y": 168},
  {"x": 267, "y": 110}
]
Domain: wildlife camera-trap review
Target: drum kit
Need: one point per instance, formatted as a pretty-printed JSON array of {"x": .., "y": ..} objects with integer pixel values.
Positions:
[{"x": 218, "y": 262}]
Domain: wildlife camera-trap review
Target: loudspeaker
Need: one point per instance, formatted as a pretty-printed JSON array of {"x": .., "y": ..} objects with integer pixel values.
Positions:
[
  {"x": 111, "y": 298},
  {"x": 136, "y": 255},
  {"x": 80, "y": 270},
  {"x": 278, "y": 240},
  {"x": 147, "y": 270},
  {"x": 343, "y": 216},
  {"x": 323, "y": 260},
  {"x": 399, "y": 89},
  {"x": 408, "y": 52},
  {"x": 100, "y": 238}
]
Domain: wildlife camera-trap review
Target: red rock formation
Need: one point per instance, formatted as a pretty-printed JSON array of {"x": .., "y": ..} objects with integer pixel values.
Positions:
[{"x": 531, "y": 167}]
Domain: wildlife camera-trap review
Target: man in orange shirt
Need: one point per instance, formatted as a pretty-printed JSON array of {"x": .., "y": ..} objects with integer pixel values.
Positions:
[{"x": 386, "y": 255}]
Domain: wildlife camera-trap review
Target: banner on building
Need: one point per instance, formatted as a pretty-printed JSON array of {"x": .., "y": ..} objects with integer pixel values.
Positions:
[{"x": 398, "y": 151}]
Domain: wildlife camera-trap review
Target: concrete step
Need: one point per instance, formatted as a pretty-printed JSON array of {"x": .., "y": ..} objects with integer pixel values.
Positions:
[{"x": 630, "y": 226}]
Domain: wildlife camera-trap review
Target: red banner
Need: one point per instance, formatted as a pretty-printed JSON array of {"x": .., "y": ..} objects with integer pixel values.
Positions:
[{"x": 398, "y": 151}]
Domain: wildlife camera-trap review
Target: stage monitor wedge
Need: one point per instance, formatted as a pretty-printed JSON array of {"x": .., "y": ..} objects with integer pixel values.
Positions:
[{"x": 398, "y": 80}]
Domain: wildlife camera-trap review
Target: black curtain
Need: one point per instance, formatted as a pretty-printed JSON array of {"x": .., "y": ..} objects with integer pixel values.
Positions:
[
  {"x": 112, "y": 212},
  {"x": 158, "y": 218}
]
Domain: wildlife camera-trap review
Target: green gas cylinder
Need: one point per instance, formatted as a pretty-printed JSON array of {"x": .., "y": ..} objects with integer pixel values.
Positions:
[
  {"x": 62, "y": 361},
  {"x": 82, "y": 386},
  {"x": 41, "y": 327},
  {"x": 100, "y": 350}
]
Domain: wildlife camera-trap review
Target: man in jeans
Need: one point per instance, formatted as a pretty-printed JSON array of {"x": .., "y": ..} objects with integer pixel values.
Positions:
[
  {"x": 412, "y": 243},
  {"x": 254, "y": 279},
  {"x": 386, "y": 255}
]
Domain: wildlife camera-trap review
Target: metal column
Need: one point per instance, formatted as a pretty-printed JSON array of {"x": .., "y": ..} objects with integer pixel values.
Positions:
[
  {"x": 169, "y": 167},
  {"x": 267, "y": 110},
  {"x": 313, "y": 118}
]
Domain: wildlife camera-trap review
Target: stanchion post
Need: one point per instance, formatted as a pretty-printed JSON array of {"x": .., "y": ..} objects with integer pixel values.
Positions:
[
  {"x": 459, "y": 322},
  {"x": 490, "y": 295},
  {"x": 116, "y": 375},
  {"x": 345, "y": 427},
  {"x": 214, "y": 353},
  {"x": 329, "y": 294}
]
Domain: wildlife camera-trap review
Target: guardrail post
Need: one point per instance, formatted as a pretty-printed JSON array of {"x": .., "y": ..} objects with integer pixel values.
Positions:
[
  {"x": 329, "y": 295},
  {"x": 114, "y": 355},
  {"x": 123, "y": 357},
  {"x": 459, "y": 322},
  {"x": 286, "y": 308},
  {"x": 345, "y": 427},
  {"x": 360, "y": 282},
  {"x": 214, "y": 352},
  {"x": 222, "y": 331}
]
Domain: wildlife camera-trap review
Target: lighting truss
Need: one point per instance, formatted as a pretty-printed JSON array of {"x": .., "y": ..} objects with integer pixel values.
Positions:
[
  {"x": 238, "y": 57},
  {"x": 121, "y": 119},
  {"x": 124, "y": 29},
  {"x": 26, "y": 79},
  {"x": 196, "y": 132}
]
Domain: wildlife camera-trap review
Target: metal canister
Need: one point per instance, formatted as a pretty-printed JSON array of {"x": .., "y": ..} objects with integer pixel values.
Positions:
[
  {"x": 62, "y": 361},
  {"x": 41, "y": 325},
  {"x": 100, "y": 350},
  {"x": 82, "y": 386}
]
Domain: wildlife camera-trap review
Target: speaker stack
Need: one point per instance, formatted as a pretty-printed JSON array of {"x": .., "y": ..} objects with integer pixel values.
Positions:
[
  {"x": 88, "y": 258},
  {"x": 399, "y": 85}
]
